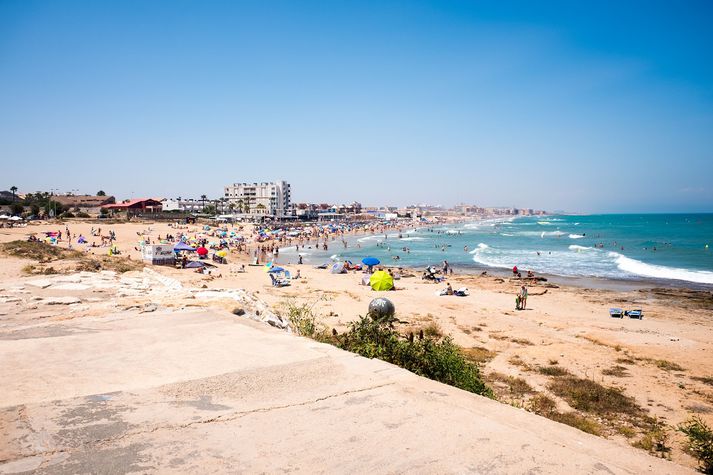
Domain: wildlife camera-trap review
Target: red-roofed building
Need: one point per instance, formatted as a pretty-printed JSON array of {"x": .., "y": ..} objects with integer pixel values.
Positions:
[{"x": 149, "y": 205}]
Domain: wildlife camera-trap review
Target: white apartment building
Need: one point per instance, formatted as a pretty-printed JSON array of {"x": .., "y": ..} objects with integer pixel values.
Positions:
[{"x": 265, "y": 198}]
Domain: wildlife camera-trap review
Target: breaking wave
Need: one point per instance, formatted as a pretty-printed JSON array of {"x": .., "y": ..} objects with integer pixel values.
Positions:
[{"x": 633, "y": 266}]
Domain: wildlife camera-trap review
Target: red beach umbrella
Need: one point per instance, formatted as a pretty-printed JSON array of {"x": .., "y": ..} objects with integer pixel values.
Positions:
[{"x": 202, "y": 251}]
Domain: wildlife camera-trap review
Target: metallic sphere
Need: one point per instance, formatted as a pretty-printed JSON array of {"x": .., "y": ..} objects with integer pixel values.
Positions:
[{"x": 381, "y": 307}]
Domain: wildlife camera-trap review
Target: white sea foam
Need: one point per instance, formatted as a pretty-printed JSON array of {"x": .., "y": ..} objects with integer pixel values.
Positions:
[
  {"x": 576, "y": 236},
  {"x": 479, "y": 258},
  {"x": 506, "y": 234},
  {"x": 480, "y": 247},
  {"x": 577, "y": 248},
  {"x": 414, "y": 238},
  {"x": 634, "y": 266}
]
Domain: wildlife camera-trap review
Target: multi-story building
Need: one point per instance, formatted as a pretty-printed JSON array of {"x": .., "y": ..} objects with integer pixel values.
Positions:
[{"x": 260, "y": 198}]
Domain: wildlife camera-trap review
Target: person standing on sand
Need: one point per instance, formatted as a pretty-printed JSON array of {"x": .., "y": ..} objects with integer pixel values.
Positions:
[{"x": 523, "y": 297}]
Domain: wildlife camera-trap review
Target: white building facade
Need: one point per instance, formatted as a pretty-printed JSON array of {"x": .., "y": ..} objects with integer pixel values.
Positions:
[{"x": 273, "y": 198}]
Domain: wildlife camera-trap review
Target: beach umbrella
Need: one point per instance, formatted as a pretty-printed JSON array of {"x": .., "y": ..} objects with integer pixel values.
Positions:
[
  {"x": 195, "y": 264},
  {"x": 202, "y": 251},
  {"x": 15, "y": 218},
  {"x": 370, "y": 261},
  {"x": 337, "y": 268},
  {"x": 4, "y": 216},
  {"x": 381, "y": 280},
  {"x": 275, "y": 270},
  {"x": 182, "y": 246}
]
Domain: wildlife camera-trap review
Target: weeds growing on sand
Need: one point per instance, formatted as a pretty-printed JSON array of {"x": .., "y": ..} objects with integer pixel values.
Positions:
[
  {"x": 44, "y": 253},
  {"x": 515, "y": 360},
  {"x": 616, "y": 371},
  {"x": 434, "y": 357},
  {"x": 655, "y": 439},
  {"x": 429, "y": 355},
  {"x": 669, "y": 365},
  {"x": 511, "y": 386},
  {"x": 552, "y": 371},
  {"x": 478, "y": 354},
  {"x": 704, "y": 379},
  {"x": 38, "y": 251},
  {"x": 545, "y": 406},
  {"x": 591, "y": 397},
  {"x": 433, "y": 330},
  {"x": 699, "y": 443},
  {"x": 303, "y": 318},
  {"x": 31, "y": 269}
]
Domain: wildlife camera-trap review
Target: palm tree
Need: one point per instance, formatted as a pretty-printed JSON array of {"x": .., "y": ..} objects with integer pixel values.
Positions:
[
  {"x": 203, "y": 198},
  {"x": 14, "y": 190}
]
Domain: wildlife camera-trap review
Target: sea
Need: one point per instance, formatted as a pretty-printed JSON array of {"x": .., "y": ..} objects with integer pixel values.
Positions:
[{"x": 667, "y": 248}]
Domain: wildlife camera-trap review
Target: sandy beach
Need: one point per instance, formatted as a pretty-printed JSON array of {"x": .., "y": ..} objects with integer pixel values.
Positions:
[{"x": 663, "y": 362}]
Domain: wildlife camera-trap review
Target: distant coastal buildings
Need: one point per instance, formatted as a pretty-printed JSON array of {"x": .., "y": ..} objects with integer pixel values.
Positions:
[{"x": 260, "y": 199}]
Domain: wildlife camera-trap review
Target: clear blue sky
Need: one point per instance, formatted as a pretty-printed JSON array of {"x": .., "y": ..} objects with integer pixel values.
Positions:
[{"x": 586, "y": 106}]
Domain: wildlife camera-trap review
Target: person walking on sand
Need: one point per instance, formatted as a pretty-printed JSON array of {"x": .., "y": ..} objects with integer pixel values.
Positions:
[{"x": 523, "y": 297}]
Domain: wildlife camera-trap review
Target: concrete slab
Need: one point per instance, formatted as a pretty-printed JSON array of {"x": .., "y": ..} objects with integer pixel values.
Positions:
[{"x": 203, "y": 392}]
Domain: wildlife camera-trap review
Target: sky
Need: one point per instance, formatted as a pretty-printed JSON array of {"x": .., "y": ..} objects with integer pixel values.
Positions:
[{"x": 577, "y": 106}]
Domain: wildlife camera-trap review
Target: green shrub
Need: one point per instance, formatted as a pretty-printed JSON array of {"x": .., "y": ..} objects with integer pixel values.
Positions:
[
  {"x": 700, "y": 442},
  {"x": 432, "y": 357},
  {"x": 302, "y": 318},
  {"x": 655, "y": 439}
]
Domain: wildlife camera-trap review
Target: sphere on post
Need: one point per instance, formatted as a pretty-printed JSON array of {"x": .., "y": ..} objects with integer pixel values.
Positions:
[{"x": 381, "y": 308}]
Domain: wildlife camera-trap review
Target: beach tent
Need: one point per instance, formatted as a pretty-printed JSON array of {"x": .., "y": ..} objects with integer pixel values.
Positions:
[
  {"x": 337, "y": 268},
  {"x": 182, "y": 246},
  {"x": 370, "y": 261},
  {"x": 381, "y": 280}
]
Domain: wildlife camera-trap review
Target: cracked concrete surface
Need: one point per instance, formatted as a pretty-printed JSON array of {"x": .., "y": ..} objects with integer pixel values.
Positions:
[{"x": 198, "y": 392}]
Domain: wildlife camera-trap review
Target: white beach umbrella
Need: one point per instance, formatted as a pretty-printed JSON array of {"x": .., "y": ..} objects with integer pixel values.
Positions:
[
  {"x": 15, "y": 218},
  {"x": 4, "y": 216}
]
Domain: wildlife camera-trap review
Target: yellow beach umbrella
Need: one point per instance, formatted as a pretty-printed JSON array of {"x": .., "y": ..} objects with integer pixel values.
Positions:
[{"x": 381, "y": 280}]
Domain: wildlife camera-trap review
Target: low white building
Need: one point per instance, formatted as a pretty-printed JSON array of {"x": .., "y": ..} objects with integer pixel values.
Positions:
[{"x": 184, "y": 205}]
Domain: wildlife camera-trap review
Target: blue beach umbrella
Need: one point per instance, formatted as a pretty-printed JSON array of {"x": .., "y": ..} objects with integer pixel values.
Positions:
[
  {"x": 370, "y": 261},
  {"x": 182, "y": 246},
  {"x": 275, "y": 270}
]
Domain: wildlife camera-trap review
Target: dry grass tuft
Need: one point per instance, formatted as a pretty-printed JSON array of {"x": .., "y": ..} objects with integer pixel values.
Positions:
[
  {"x": 588, "y": 396},
  {"x": 704, "y": 379},
  {"x": 617, "y": 371},
  {"x": 669, "y": 365},
  {"x": 553, "y": 371},
  {"x": 478, "y": 354}
]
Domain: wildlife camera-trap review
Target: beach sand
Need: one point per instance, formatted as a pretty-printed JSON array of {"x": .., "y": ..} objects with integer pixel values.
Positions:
[{"x": 658, "y": 358}]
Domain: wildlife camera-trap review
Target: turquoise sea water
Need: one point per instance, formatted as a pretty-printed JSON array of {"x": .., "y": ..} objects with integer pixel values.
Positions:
[{"x": 669, "y": 247}]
